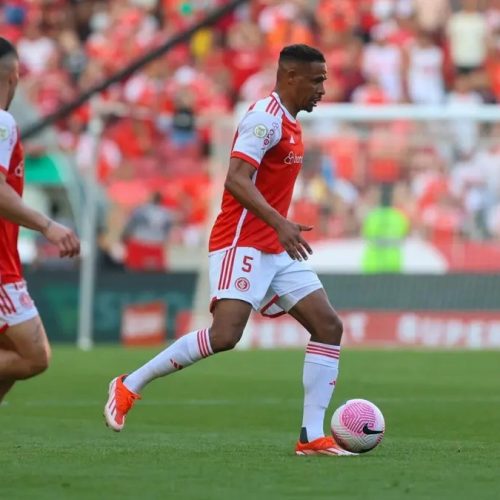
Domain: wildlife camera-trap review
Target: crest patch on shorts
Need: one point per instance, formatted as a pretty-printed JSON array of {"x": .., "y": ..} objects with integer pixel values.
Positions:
[
  {"x": 242, "y": 284},
  {"x": 25, "y": 300}
]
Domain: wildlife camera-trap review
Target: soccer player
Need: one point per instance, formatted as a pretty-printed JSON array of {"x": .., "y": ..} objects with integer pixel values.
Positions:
[
  {"x": 24, "y": 348},
  {"x": 257, "y": 256}
]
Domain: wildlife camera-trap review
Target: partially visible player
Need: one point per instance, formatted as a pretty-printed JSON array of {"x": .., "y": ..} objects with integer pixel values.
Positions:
[
  {"x": 24, "y": 348},
  {"x": 257, "y": 255}
]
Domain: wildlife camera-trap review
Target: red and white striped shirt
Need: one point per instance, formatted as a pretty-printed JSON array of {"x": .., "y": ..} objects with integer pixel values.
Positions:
[
  {"x": 270, "y": 139},
  {"x": 12, "y": 168}
]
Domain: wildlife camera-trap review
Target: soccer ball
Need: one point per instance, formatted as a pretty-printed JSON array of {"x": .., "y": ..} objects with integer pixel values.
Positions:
[{"x": 358, "y": 425}]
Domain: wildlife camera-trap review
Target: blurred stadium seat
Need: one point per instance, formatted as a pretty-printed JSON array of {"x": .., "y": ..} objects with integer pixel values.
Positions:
[{"x": 158, "y": 133}]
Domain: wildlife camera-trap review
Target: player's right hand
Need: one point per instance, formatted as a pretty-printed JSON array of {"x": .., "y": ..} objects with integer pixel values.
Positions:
[
  {"x": 64, "y": 238},
  {"x": 289, "y": 234}
]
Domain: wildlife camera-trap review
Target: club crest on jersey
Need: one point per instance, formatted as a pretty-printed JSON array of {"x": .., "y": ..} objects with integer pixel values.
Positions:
[
  {"x": 4, "y": 132},
  {"x": 242, "y": 284},
  {"x": 293, "y": 159}
]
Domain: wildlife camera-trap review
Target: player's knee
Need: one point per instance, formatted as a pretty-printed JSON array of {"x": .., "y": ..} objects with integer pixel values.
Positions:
[
  {"x": 224, "y": 340},
  {"x": 37, "y": 367},
  {"x": 228, "y": 325},
  {"x": 337, "y": 328},
  {"x": 331, "y": 330},
  {"x": 38, "y": 363}
]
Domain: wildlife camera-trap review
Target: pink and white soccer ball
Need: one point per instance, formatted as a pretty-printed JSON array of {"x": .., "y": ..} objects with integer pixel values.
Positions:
[{"x": 358, "y": 425}]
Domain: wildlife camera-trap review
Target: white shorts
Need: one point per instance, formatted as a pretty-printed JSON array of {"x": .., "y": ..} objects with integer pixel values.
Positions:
[
  {"x": 16, "y": 305},
  {"x": 271, "y": 283}
]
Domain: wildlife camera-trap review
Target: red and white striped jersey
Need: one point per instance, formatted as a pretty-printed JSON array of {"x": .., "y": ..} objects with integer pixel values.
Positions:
[
  {"x": 12, "y": 168},
  {"x": 270, "y": 139}
]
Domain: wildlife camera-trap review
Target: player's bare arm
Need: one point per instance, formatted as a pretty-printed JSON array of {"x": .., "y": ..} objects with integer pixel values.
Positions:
[
  {"x": 13, "y": 209},
  {"x": 239, "y": 183}
]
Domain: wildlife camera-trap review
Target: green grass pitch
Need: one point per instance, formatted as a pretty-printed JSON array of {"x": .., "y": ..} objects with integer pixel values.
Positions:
[{"x": 226, "y": 428}]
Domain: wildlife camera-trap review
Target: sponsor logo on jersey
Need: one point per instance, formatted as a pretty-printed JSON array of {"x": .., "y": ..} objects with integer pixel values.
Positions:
[
  {"x": 293, "y": 159},
  {"x": 242, "y": 284},
  {"x": 269, "y": 135},
  {"x": 260, "y": 131},
  {"x": 4, "y": 132}
]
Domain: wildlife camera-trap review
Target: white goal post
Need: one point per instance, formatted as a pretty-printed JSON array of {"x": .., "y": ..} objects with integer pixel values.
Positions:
[
  {"x": 334, "y": 115},
  {"x": 357, "y": 113}
]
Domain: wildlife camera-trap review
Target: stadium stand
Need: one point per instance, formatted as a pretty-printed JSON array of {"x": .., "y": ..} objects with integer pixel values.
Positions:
[{"x": 158, "y": 135}]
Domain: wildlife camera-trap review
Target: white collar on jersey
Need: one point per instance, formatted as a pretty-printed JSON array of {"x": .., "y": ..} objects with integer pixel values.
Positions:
[{"x": 287, "y": 113}]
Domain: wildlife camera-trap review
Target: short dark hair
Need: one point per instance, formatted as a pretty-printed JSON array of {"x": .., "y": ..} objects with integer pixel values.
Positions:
[
  {"x": 7, "y": 48},
  {"x": 301, "y": 52}
]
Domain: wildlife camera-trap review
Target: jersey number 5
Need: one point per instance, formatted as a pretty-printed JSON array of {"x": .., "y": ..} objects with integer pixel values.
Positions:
[{"x": 247, "y": 264}]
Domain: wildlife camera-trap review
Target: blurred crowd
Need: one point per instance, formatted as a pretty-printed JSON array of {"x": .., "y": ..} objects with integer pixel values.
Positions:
[{"x": 158, "y": 134}]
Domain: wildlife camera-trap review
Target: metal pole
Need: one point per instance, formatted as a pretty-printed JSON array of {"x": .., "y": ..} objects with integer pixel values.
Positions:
[
  {"x": 88, "y": 236},
  {"x": 223, "y": 130}
]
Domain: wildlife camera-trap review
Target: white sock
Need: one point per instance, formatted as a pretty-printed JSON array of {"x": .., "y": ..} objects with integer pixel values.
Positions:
[
  {"x": 184, "y": 352},
  {"x": 321, "y": 367}
]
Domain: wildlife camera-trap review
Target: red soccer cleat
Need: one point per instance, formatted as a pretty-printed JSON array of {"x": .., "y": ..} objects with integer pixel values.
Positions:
[
  {"x": 322, "y": 446},
  {"x": 120, "y": 402}
]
